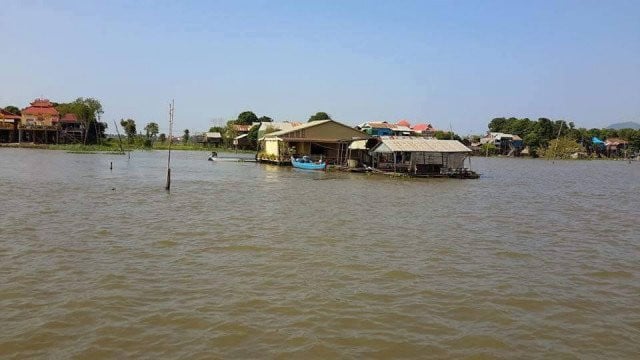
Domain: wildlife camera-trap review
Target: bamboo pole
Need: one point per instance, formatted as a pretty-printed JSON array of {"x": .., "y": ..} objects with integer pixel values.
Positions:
[
  {"x": 119, "y": 139},
  {"x": 555, "y": 149}
]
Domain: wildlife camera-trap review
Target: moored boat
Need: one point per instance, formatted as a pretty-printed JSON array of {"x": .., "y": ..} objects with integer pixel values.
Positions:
[{"x": 306, "y": 163}]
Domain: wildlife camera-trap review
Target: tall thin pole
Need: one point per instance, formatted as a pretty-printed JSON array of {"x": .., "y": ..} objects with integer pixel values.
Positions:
[
  {"x": 119, "y": 139},
  {"x": 171, "y": 112},
  {"x": 555, "y": 148}
]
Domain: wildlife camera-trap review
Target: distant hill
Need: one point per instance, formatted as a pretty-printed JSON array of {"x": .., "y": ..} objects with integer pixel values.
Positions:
[{"x": 625, "y": 125}]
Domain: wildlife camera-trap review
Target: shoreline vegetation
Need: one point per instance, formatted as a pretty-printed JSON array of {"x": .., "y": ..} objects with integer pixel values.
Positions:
[
  {"x": 111, "y": 147},
  {"x": 114, "y": 148},
  {"x": 76, "y": 127}
]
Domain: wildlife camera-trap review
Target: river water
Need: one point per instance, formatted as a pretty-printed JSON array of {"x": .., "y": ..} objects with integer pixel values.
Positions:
[{"x": 241, "y": 260}]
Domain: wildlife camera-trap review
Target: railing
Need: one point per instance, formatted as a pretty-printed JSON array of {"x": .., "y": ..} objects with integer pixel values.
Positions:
[{"x": 37, "y": 127}]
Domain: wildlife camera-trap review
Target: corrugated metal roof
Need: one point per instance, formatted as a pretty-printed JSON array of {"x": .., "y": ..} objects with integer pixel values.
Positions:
[
  {"x": 279, "y": 125},
  {"x": 213, "y": 135},
  {"x": 419, "y": 144},
  {"x": 303, "y": 126},
  {"x": 358, "y": 145},
  {"x": 379, "y": 125}
]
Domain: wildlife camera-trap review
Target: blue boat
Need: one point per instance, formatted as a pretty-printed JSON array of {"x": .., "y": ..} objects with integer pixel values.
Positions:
[{"x": 307, "y": 164}]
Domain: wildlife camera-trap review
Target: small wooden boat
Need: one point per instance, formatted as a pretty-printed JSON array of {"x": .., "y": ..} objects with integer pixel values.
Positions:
[{"x": 307, "y": 164}]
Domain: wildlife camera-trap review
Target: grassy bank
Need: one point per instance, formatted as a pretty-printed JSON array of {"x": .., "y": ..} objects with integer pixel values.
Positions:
[{"x": 115, "y": 147}]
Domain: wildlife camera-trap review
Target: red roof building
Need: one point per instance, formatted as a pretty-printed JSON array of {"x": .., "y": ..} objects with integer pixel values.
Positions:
[
  {"x": 40, "y": 107},
  {"x": 5, "y": 115},
  {"x": 69, "y": 118},
  {"x": 424, "y": 129},
  {"x": 41, "y": 112},
  {"x": 404, "y": 123}
]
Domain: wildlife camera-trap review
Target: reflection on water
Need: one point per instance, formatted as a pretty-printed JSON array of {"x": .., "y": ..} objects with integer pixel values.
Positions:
[{"x": 249, "y": 260}]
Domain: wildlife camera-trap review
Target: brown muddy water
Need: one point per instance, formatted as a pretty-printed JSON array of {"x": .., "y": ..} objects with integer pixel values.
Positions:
[{"x": 242, "y": 260}]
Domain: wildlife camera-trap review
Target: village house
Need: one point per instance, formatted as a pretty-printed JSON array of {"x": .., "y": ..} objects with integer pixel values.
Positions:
[
  {"x": 241, "y": 139},
  {"x": 38, "y": 123},
  {"x": 8, "y": 126},
  {"x": 377, "y": 128},
  {"x": 213, "y": 138},
  {"x": 70, "y": 129},
  {"x": 402, "y": 128},
  {"x": 426, "y": 130},
  {"x": 326, "y": 139},
  {"x": 507, "y": 144},
  {"x": 615, "y": 147}
]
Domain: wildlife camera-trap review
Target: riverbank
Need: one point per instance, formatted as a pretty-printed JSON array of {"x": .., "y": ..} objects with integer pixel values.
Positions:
[{"x": 114, "y": 147}]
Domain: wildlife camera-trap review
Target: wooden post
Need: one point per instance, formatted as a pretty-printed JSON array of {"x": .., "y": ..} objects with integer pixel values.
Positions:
[
  {"x": 119, "y": 139},
  {"x": 171, "y": 112},
  {"x": 394, "y": 162}
]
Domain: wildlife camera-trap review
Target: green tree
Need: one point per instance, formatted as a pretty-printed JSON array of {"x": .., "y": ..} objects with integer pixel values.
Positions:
[
  {"x": 88, "y": 111},
  {"x": 219, "y": 129},
  {"x": 265, "y": 119},
  {"x": 185, "y": 137},
  {"x": 129, "y": 127},
  {"x": 246, "y": 118},
  {"x": 446, "y": 135},
  {"x": 497, "y": 124},
  {"x": 162, "y": 137},
  {"x": 93, "y": 105},
  {"x": 151, "y": 130},
  {"x": 319, "y": 116},
  {"x": 488, "y": 149},
  {"x": 13, "y": 109},
  {"x": 561, "y": 148}
]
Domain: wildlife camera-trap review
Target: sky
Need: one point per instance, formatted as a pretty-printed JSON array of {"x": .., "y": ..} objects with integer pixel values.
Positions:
[{"x": 454, "y": 64}]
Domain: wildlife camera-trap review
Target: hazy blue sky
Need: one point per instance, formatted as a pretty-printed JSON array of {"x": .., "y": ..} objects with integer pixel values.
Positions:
[{"x": 444, "y": 62}]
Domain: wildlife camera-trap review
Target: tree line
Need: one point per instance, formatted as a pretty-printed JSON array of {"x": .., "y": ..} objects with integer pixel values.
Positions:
[{"x": 537, "y": 134}]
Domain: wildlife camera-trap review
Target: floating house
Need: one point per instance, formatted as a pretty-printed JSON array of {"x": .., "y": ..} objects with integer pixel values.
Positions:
[
  {"x": 326, "y": 139},
  {"x": 419, "y": 156},
  {"x": 269, "y": 127}
]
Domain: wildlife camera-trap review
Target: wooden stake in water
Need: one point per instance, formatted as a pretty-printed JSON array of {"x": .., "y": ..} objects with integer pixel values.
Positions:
[
  {"x": 171, "y": 111},
  {"x": 119, "y": 139}
]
